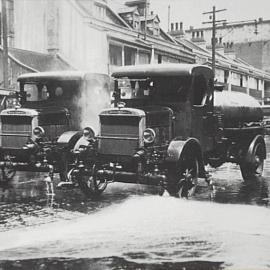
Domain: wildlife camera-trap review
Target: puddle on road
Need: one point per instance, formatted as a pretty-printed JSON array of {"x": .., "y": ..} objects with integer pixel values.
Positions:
[
  {"x": 152, "y": 229},
  {"x": 124, "y": 229}
]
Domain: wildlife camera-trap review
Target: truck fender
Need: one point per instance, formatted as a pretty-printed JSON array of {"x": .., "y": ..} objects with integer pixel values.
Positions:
[
  {"x": 69, "y": 138},
  {"x": 251, "y": 148},
  {"x": 178, "y": 148}
]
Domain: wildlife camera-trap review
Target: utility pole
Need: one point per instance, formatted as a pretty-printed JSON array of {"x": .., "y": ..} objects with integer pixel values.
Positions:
[
  {"x": 213, "y": 40},
  {"x": 169, "y": 17},
  {"x": 145, "y": 24},
  {"x": 5, "y": 45}
]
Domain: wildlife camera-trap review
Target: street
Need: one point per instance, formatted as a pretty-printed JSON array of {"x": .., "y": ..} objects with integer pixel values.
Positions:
[{"x": 131, "y": 227}]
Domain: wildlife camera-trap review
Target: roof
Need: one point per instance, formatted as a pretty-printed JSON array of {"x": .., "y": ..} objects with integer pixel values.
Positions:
[
  {"x": 123, "y": 10},
  {"x": 159, "y": 70},
  {"x": 149, "y": 17},
  {"x": 191, "y": 45},
  {"x": 59, "y": 75},
  {"x": 40, "y": 61}
]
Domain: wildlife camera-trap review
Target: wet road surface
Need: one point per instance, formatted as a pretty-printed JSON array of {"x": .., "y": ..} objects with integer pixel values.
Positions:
[{"x": 131, "y": 227}]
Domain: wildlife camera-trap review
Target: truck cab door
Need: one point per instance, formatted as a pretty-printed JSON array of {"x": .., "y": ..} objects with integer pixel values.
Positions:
[{"x": 202, "y": 123}]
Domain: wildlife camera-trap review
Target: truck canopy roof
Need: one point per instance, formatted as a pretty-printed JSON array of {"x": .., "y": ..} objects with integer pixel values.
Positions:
[
  {"x": 154, "y": 70},
  {"x": 57, "y": 75}
]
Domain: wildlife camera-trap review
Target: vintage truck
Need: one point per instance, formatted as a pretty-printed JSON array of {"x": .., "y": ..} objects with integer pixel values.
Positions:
[
  {"x": 40, "y": 125},
  {"x": 167, "y": 124}
]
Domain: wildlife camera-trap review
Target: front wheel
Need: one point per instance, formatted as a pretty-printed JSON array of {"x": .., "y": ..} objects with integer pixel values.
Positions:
[
  {"x": 183, "y": 179},
  {"x": 253, "y": 168},
  {"x": 92, "y": 185}
]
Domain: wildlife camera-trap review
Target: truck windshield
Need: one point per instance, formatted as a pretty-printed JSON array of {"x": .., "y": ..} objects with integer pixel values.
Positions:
[
  {"x": 50, "y": 90},
  {"x": 169, "y": 88}
]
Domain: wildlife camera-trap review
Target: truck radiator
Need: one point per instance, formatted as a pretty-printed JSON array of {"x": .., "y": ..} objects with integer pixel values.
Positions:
[
  {"x": 15, "y": 131},
  {"x": 119, "y": 135}
]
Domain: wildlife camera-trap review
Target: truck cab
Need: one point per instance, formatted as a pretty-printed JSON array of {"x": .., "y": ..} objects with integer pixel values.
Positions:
[{"x": 47, "y": 110}]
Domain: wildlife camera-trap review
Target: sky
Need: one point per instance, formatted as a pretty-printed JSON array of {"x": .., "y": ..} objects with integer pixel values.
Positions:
[{"x": 190, "y": 11}]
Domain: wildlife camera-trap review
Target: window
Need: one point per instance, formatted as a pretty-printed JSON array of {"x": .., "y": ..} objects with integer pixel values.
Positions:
[
  {"x": 200, "y": 89},
  {"x": 173, "y": 88},
  {"x": 36, "y": 92},
  {"x": 144, "y": 58},
  {"x": 241, "y": 80},
  {"x": 100, "y": 11},
  {"x": 159, "y": 59},
  {"x": 130, "y": 56},
  {"x": 226, "y": 76},
  {"x": 51, "y": 90},
  {"x": 115, "y": 54}
]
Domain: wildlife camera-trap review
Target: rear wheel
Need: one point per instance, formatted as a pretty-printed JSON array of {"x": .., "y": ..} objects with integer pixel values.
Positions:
[
  {"x": 253, "y": 167},
  {"x": 183, "y": 179},
  {"x": 92, "y": 185}
]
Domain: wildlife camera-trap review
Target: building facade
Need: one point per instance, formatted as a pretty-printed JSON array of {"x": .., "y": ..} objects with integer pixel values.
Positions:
[
  {"x": 248, "y": 40},
  {"x": 93, "y": 34},
  {"x": 234, "y": 73}
]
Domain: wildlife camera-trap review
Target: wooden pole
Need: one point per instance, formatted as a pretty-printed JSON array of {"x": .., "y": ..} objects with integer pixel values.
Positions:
[{"x": 5, "y": 45}]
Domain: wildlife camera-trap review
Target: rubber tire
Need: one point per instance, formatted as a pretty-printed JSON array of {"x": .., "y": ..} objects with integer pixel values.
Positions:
[
  {"x": 251, "y": 171},
  {"x": 177, "y": 187}
]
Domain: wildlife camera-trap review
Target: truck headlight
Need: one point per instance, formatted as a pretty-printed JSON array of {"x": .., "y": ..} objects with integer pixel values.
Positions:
[
  {"x": 88, "y": 133},
  {"x": 38, "y": 132},
  {"x": 149, "y": 136}
]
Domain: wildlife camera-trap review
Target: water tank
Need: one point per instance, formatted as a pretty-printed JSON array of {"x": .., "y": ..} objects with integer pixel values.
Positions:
[{"x": 238, "y": 109}]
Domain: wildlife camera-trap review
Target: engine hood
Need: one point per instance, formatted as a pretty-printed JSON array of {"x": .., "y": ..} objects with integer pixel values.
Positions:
[
  {"x": 33, "y": 112},
  {"x": 155, "y": 116}
]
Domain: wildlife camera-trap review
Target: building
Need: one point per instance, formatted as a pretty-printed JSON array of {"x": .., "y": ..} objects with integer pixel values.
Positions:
[
  {"x": 234, "y": 73},
  {"x": 248, "y": 40},
  {"x": 93, "y": 35}
]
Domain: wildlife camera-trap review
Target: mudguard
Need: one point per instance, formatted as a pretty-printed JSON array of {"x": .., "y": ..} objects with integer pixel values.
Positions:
[
  {"x": 178, "y": 148},
  {"x": 249, "y": 154},
  {"x": 69, "y": 138}
]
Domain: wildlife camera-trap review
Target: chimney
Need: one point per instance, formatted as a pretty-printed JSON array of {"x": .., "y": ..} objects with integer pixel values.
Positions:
[
  {"x": 176, "y": 26},
  {"x": 52, "y": 27},
  {"x": 172, "y": 26},
  {"x": 181, "y": 25}
]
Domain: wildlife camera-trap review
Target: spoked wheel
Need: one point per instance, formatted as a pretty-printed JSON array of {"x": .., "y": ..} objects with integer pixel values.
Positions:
[
  {"x": 92, "y": 185},
  {"x": 184, "y": 178},
  {"x": 8, "y": 173},
  {"x": 253, "y": 168}
]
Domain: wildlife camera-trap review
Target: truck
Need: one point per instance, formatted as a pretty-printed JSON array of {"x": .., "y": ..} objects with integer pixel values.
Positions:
[
  {"x": 43, "y": 118},
  {"x": 266, "y": 118},
  {"x": 166, "y": 125}
]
